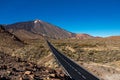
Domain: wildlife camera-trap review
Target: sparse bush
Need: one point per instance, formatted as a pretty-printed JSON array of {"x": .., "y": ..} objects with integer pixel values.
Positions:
[{"x": 98, "y": 50}]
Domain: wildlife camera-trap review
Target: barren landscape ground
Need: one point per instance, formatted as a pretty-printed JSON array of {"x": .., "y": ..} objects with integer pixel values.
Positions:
[
  {"x": 20, "y": 60},
  {"x": 100, "y": 56}
]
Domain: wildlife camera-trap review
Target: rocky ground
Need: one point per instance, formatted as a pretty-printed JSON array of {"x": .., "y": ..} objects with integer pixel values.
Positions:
[
  {"x": 13, "y": 68},
  {"x": 100, "y": 56},
  {"x": 102, "y": 71},
  {"x": 36, "y": 62}
]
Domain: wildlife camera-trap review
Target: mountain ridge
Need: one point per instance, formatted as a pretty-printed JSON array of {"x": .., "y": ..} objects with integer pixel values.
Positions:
[{"x": 38, "y": 28}]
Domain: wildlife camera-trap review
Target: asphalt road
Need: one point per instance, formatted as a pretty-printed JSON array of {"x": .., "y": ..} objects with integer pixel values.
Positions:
[{"x": 73, "y": 70}]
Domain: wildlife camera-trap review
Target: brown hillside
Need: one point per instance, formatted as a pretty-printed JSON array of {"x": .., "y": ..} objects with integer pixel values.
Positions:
[
  {"x": 113, "y": 37},
  {"x": 83, "y": 36},
  {"x": 8, "y": 41},
  {"x": 37, "y": 28}
]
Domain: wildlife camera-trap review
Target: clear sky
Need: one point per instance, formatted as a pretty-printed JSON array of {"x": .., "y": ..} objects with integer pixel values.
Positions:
[{"x": 95, "y": 17}]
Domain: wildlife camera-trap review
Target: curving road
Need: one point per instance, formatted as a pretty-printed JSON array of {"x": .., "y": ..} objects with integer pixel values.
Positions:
[{"x": 73, "y": 70}]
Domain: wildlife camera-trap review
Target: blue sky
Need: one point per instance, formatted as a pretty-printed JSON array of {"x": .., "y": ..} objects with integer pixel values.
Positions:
[{"x": 95, "y": 17}]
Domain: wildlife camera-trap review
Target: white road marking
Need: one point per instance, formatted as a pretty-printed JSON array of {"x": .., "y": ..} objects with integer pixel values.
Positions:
[
  {"x": 63, "y": 57},
  {"x": 83, "y": 76},
  {"x": 73, "y": 68}
]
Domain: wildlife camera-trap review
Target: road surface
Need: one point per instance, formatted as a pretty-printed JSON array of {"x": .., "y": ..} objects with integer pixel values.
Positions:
[{"x": 73, "y": 70}]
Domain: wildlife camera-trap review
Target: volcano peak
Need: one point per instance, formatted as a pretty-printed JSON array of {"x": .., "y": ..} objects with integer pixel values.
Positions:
[{"x": 37, "y": 21}]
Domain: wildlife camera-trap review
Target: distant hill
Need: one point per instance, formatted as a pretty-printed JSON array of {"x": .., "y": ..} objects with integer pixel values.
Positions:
[
  {"x": 84, "y": 36},
  {"x": 113, "y": 37},
  {"x": 37, "y": 29}
]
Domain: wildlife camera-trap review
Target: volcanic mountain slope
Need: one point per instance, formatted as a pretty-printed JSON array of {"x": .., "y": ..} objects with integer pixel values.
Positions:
[
  {"x": 9, "y": 42},
  {"x": 36, "y": 29},
  {"x": 23, "y": 30}
]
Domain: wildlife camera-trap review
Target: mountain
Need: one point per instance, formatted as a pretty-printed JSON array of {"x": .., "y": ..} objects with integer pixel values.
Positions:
[
  {"x": 83, "y": 36},
  {"x": 37, "y": 29},
  {"x": 113, "y": 37}
]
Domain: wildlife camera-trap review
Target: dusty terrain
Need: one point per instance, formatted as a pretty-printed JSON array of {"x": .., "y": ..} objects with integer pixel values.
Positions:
[
  {"x": 99, "y": 56},
  {"x": 18, "y": 59}
]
